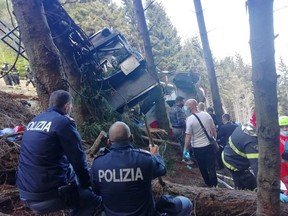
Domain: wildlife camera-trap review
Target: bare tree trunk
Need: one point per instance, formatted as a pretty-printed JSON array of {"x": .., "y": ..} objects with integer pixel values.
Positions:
[
  {"x": 209, "y": 61},
  {"x": 142, "y": 26},
  {"x": 43, "y": 55},
  {"x": 215, "y": 201},
  {"x": 61, "y": 34},
  {"x": 264, "y": 80}
]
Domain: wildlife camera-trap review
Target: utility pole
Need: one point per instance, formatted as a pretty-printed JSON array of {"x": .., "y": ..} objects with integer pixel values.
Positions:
[
  {"x": 161, "y": 112},
  {"x": 217, "y": 104}
]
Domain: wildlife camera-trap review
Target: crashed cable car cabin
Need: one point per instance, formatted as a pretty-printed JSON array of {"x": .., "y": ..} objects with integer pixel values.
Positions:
[{"x": 124, "y": 73}]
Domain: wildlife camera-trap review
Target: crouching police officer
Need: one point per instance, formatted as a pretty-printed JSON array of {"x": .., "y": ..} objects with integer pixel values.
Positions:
[
  {"x": 52, "y": 171},
  {"x": 122, "y": 175}
]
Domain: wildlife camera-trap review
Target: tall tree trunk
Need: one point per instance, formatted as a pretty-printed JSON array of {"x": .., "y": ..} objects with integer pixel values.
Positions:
[
  {"x": 264, "y": 80},
  {"x": 142, "y": 26},
  {"x": 43, "y": 55},
  {"x": 209, "y": 61},
  {"x": 61, "y": 34}
]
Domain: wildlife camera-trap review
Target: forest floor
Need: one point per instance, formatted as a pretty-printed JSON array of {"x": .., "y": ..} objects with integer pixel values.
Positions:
[{"x": 178, "y": 171}]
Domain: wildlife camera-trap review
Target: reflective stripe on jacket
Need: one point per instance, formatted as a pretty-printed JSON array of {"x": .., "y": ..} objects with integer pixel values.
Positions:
[{"x": 241, "y": 151}]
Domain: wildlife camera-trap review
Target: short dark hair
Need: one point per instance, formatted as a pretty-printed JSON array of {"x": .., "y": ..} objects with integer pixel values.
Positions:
[
  {"x": 179, "y": 98},
  {"x": 226, "y": 116},
  {"x": 59, "y": 98},
  {"x": 210, "y": 109}
]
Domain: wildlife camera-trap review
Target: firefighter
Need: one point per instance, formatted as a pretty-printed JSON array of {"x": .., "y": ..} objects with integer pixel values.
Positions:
[
  {"x": 240, "y": 155},
  {"x": 283, "y": 123}
]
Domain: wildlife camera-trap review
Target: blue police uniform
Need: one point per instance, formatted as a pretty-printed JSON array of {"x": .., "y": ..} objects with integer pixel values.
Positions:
[
  {"x": 50, "y": 145},
  {"x": 122, "y": 175}
]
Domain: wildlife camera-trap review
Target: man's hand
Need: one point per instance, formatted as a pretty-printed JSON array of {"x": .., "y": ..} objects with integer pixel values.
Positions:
[
  {"x": 186, "y": 154},
  {"x": 283, "y": 198},
  {"x": 154, "y": 149}
]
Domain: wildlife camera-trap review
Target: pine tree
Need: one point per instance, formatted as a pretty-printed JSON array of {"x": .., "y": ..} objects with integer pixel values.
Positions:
[
  {"x": 164, "y": 38},
  {"x": 282, "y": 86}
]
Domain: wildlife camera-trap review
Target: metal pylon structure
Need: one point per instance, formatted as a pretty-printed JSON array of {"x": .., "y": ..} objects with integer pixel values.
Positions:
[{"x": 11, "y": 37}]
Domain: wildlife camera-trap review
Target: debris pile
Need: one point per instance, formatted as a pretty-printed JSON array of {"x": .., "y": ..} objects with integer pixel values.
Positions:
[{"x": 13, "y": 112}]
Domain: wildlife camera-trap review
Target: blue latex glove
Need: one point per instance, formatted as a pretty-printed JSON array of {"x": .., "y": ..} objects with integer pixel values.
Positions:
[
  {"x": 283, "y": 198},
  {"x": 186, "y": 154}
]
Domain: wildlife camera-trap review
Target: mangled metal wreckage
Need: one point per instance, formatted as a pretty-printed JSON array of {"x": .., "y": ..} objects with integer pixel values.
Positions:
[{"x": 120, "y": 69}]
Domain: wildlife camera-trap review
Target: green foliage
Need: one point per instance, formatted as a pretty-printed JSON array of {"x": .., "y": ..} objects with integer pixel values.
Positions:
[
  {"x": 191, "y": 59},
  {"x": 235, "y": 85},
  {"x": 95, "y": 15},
  {"x": 6, "y": 53},
  {"x": 282, "y": 87},
  {"x": 163, "y": 36}
]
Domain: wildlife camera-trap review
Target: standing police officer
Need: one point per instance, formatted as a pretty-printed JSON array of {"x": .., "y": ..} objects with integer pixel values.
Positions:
[
  {"x": 29, "y": 76},
  {"x": 50, "y": 152},
  {"x": 122, "y": 175},
  {"x": 15, "y": 76}
]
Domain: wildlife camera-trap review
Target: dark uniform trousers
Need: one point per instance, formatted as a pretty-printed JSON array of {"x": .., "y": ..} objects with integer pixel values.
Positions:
[{"x": 206, "y": 162}]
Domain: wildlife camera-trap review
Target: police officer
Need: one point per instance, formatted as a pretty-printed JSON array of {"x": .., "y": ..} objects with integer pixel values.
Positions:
[
  {"x": 122, "y": 175},
  {"x": 29, "y": 76},
  {"x": 51, "y": 156},
  {"x": 6, "y": 76},
  {"x": 241, "y": 154},
  {"x": 15, "y": 76},
  {"x": 224, "y": 132}
]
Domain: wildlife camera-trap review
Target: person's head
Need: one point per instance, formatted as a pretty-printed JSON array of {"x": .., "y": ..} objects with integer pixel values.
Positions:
[
  {"x": 119, "y": 132},
  {"x": 62, "y": 100},
  {"x": 226, "y": 118},
  {"x": 210, "y": 110},
  {"x": 191, "y": 105},
  {"x": 283, "y": 123},
  {"x": 201, "y": 106},
  {"x": 179, "y": 101}
]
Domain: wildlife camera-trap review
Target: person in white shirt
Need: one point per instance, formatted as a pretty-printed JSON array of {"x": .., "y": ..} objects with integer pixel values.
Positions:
[{"x": 196, "y": 138}]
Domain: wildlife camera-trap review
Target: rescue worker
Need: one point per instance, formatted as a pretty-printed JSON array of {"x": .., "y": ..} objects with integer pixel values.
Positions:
[
  {"x": 52, "y": 171},
  {"x": 201, "y": 107},
  {"x": 241, "y": 154},
  {"x": 29, "y": 76},
  {"x": 224, "y": 132},
  {"x": 196, "y": 138},
  {"x": 178, "y": 120},
  {"x": 283, "y": 123},
  {"x": 210, "y": 110},
  {"x": 6, "y": 76},
  {"x": 122, "y": 175},
  {"x": 15, "y": 76}
]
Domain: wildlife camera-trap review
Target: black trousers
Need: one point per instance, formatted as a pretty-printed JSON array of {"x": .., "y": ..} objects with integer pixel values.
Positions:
[
  {"x": 205, "y": 157},
  {"x": 219, "y": 162},
  {"x": 244, "y": 180}
]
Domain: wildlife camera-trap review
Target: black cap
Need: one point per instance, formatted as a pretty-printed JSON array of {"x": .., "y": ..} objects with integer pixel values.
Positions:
[{"x": 179, "y": 98}]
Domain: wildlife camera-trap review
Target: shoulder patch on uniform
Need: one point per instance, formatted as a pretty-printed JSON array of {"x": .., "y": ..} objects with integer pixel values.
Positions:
[
  {"x": 102, "y": 151},
  {"x": 142, "y": 151}
]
